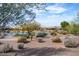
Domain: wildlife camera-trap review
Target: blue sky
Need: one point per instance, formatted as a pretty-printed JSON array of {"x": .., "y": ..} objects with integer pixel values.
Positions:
[{"x": 56, "y": 13}]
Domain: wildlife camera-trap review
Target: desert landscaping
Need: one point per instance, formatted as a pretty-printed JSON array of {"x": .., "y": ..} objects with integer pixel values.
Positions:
[
  {"x": 40, "y": 46},
  {"x": 22, "y": 35}
]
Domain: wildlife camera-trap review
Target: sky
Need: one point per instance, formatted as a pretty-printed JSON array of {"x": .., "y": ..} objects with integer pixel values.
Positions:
[{"x": 56, "y": 13}]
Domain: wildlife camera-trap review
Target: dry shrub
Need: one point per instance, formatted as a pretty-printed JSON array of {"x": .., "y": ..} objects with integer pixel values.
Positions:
[
  {"x": 21, "y": 46},
  {"x": 22, "y": 40},
  {"x": 53, "y": 33},
  {"x": 6, "y": 48},
  {"x": 40, "y": 40},
  {"x": 57, "y": 40}
]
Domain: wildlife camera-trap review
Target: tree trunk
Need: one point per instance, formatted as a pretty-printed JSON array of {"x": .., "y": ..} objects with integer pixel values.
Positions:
[{"x": 31, "y": 38}]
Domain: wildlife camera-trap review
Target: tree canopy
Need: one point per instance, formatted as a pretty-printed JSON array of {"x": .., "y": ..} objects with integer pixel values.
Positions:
[
  {"x": 64, "y": 24},
  {"x": 30, "y": 26},
  {"x": 15, "y": 13}
]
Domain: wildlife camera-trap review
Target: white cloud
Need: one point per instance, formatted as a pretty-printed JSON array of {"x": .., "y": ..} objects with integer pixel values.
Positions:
[
  {"x": 60, "y": 18},
  {"x": 53, "y": 17},
  {"x": 54, "y": 20},
  {"x": 38, "y": 12},
  {"x": 56, "y": 9}
]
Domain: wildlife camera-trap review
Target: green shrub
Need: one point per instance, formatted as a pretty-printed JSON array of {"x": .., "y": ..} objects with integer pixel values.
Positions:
[
  {"x": 57, "y": 40},
  {"x": 70, "y": 43},
  {"x": 22, "y": 34},
  {"x": 74, "y": 26},
  {"x": 21, "y": 46},
  {"x": 22, "y": 39},
  {"x": 27, "y": 35},
  {"x": 41, "y": 34}
]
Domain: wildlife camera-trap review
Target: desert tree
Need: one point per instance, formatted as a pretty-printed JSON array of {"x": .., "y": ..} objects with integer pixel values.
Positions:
[
  {"x": 64, "y": 24},
  {"x": 30, "y": 27},
  {"x": 12, "y": 14}
]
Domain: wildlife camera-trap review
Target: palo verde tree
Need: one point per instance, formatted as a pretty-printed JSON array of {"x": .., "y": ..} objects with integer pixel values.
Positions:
[
  {"x": 30, "y": 27},
  {"x": 15, "y": 13}
]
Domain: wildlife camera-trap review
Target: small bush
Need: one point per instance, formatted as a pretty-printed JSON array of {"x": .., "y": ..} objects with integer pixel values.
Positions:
[
  {"x": 57, "y": 40},
  {"x": 40, "y": 40},
  {"x": 53, "y": 33},
  {"x": 21, "y": 46},
  {"x": 6, "y": 48},
  {"x": 22, "y": 40},
  {"x": 26, "y": 34},
  {"x": 22, "y": 34},
  {"x": 41, "y": 34},
  {"x": 70, "y": 43}
]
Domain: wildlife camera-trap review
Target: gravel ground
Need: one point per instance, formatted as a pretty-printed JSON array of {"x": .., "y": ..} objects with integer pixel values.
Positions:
[{"x": 46, "y": 48}]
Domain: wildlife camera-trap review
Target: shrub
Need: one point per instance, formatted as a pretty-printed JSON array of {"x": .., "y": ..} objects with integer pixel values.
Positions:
[
  {"x": 21, "y": 46},
  {"x": 41, "y": 34},
  {"x": 22, "y": 34},
  {"x": 26, "y": 34},
  {"x": 57, "y": 40},
  {"x": 74, "y": 26},
  {"x": 22, "y": 39},
  {"x": 70, "y": 43},
  {"x": 64, "y": 24},
  {"x": 73, "y": 29},
  {"x": 53, "y": 33},
  {"x": 6, "y": 48},
  {"x": 40, "y": 40}
]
